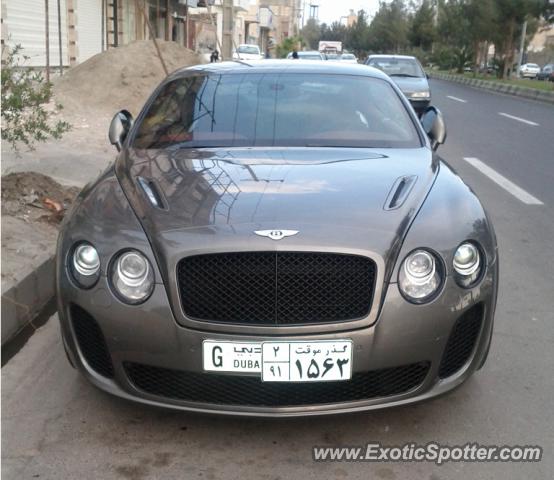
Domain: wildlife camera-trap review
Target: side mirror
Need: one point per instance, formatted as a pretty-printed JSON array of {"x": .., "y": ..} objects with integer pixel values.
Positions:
[
  {"x": 119, "y": 128},
  {"x": 434, "y": 126}
]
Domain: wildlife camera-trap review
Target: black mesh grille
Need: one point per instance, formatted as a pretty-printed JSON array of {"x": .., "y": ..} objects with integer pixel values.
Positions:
[
  {"x": 462, "y": 341},
  {"x": 251, "y": 391},
  {"x": 91, "y": 341},
  {"x": 269, "y": 288}
]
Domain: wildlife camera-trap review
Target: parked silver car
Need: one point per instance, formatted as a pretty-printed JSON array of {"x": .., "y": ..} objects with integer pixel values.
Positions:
[
  {"x": 408, "y": 74},
  {"x": 277, "y": 238},
  {"x": 546, "y": 73},
  {"x": 529, "y": 70},
  {"x": 306, "y": 55}
]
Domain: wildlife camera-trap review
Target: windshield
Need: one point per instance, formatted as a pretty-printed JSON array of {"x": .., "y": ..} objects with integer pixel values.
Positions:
[
  {"x": 347, "y": 56},
  {"x": 276, "y": 109},
  {"x": 249, "y": 49},
  {"x": 309, "y": 56},
  {"x": 400, "y": 67}
]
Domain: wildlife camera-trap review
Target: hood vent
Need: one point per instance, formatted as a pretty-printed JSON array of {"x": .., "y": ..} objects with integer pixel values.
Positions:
[
  {"x": 152, "y": 193},
  {"x": 400, "y": 192}
]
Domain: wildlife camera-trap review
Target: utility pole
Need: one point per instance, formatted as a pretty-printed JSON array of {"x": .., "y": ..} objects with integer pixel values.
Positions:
[
  {"x": 139, "y": 7},
  {"x": 60, "y": 36},
  {"x": 521, "y": 46},
  {"x": 115, "y": 24},
  {"x": 47, "y": 27},
  {"x": 227, "y": 41}
]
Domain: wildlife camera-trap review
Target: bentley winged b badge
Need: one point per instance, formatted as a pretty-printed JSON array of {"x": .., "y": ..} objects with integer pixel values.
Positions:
[{"x": 276, "y": 234}]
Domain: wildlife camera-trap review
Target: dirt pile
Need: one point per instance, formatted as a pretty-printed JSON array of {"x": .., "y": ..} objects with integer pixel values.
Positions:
[
  {"x": 33, "y": 197},
  {"x": 118, "y": 78}
]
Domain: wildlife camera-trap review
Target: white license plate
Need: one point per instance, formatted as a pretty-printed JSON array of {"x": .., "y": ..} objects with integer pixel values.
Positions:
[
  {"x": 319, "y": 361},
  {"x": 231, "y": 357}
]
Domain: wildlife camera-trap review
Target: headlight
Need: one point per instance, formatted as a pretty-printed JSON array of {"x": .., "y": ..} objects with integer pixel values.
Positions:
[
  {"x": 420, "y": 276},
  {"x": 467, "y": 264},
  {"x": 85, "y": 265},
  {"x": 420, "y": 95},
  {"x": 132, "y": 277}
]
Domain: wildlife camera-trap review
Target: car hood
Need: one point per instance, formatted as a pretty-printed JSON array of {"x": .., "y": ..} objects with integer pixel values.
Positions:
[
  {"x": 410, "y": 85},
  {"x": 359, "y": 200}
]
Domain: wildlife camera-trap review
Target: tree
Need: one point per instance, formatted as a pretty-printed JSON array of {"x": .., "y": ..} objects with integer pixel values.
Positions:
[
  {"x": 311, "y": 33},
  {"x": 335, "y": 32},
  {"x": 24, "y": 94},
  {"x": 454, "y": 29},
  {"x": 288, "y": 45},
  {"x": 481, "y": 16},
  {"x": 388, "y": 30},
  {"x": 357, "y": 36},
  {"x": 511, "y": 15},
  {"x": 422, "y": 32}
]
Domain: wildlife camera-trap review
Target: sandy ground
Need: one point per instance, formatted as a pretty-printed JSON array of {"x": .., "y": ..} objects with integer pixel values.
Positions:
[{"x": 91, "y": 93}]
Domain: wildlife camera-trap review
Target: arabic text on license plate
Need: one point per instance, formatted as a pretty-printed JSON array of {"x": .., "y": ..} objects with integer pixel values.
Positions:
[
  {"x": 307, "y": 361},
  {"x": 232, "y": 356}
]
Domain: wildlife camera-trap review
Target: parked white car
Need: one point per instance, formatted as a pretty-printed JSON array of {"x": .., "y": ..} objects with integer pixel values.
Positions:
[
  {"x": 308, "y": 55},
  {"x": 348, "y": 58},
  {"x": 248, "y": 52},
  {"x": 529, "y": 70}
]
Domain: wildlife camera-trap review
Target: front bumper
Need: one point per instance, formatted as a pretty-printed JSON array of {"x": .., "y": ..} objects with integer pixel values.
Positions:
[
  {"x": 404, "y": 334},
  {"x": 419, "y": 105}
]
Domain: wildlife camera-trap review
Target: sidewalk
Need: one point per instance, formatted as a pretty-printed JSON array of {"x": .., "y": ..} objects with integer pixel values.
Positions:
[
  {"x": 81, "y": 155},
  {"x": 499, "y": 87},
  {"x": 28, "y": 247}
]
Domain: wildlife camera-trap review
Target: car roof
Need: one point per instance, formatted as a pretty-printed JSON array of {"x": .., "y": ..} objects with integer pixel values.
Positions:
[
  {"x": 404, "y": 57},
  {"x": 278, "y": 66}
]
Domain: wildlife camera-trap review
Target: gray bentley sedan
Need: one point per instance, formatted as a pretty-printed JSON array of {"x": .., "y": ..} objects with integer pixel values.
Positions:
[{"x": 277, "y": 239}]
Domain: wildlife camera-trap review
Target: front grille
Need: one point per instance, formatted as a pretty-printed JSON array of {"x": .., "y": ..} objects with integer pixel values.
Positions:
[
  {"x": 276, "y": 288},
  {"x": 251, "y": 391},
  {"x": 462, "y": 340},
  {"x": 91, "y": 342}
]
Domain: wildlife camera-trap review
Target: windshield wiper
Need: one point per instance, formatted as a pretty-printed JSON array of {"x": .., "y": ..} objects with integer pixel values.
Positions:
[{"x": 403, "y": 75}]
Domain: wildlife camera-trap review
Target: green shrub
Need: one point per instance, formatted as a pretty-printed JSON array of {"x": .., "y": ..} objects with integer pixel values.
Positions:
[
  {"x": 288, "y": 45},
  {"x": 24, "y": 95}
]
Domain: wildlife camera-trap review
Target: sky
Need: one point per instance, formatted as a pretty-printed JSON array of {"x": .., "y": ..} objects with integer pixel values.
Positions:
[{"x": 331, "y": 10}]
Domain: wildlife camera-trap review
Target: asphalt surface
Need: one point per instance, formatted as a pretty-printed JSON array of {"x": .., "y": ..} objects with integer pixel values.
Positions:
[{"x": 56, "y": 425}]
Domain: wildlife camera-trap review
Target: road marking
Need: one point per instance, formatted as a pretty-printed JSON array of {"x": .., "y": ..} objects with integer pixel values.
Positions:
[
  {"x": 456, "y": 99},
  {"x": 519, "y": 119},
  {"x": 506, "y": 184}
]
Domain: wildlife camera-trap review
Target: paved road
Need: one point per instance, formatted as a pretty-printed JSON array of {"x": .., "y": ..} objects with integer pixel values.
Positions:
[{"x": 55, "y": 425}]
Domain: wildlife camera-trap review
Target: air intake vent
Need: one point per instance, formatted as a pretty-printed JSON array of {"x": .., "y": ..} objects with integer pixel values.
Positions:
[
  {"x": 462, "y": 341},
  {"x": 91, "y": 342},
  {"x": 251, "y": 391},
  {"x": 152, "y": 192},
  {"x": 400, "y": 192}
]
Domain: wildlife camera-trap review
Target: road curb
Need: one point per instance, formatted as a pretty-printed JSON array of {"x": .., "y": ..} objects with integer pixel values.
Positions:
[
  {"x": 505, "y": 88},
  {"x": 23, "y": 301}
]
